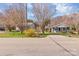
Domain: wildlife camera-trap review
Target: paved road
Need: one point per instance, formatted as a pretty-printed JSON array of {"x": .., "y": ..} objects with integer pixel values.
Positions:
[{"x": 49, "y": 46}]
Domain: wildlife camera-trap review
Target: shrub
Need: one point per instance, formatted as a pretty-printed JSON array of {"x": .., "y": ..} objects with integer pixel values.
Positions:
[
  {"x": 73, "y": 32},
  {"x": 30, "y": 33}
]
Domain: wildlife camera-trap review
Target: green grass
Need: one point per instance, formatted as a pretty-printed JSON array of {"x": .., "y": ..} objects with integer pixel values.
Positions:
[
  {"x": 11, "y": 34},
  {"x": 16, "y": 35},
  {"x": 51, "y": 33},
  {"x": 19, "y": 35}
]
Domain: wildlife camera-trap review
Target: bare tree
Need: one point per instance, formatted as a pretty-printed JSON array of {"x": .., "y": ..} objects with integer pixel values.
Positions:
[
  {"x": 43, "y": 12},
  {"x": 16, "y": 13},
  {"x": 2, "y": 23},
  {"x": 8, "y": 19}
]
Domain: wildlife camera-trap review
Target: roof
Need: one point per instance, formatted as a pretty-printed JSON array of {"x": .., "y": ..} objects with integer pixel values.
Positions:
[{"x": 61, "y": 25}]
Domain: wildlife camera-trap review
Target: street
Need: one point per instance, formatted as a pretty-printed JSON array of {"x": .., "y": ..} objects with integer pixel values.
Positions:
[{"x": 53, "y": 45}]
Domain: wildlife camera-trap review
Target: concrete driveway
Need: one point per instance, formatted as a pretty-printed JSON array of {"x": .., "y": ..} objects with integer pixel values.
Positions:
[
  {"x": 54, "y": 45},
  {"x": 69, "y": 44}
]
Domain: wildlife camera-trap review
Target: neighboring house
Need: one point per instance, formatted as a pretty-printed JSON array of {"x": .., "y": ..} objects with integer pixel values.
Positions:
[
  {"x": 30, "y": 25},
  {"x": 27, "y": 26},
  {"x": 2, "y": 26}
]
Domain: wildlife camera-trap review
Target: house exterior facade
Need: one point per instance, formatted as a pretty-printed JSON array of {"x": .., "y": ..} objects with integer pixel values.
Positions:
[{"x": 60, "y": 28}]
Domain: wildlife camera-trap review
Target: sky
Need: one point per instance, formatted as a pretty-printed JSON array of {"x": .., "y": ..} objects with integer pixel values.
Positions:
[{"x": 61, "y": 9}]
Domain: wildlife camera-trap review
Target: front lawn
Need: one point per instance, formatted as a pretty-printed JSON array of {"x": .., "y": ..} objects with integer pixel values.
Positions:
[
  {"x": 19, "y": 35},
  {"x": 58, "y": 33},
  {"x": 11, "y": 34}
]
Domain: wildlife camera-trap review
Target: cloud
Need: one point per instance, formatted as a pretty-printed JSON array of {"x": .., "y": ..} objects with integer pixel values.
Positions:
[
  {"x": 63, "y": 8},
  {"x": 1, "y": 11}
]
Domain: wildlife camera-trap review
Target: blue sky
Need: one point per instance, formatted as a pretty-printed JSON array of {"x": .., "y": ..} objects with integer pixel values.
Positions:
[{"x": 61, "y": 9}]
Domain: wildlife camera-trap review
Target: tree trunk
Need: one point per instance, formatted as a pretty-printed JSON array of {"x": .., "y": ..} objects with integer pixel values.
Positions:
[
  {"x": 21, "y": 32},
  {"x": 43, "y": 29},
  {"x": 9, "y": 28},
  {"x": 22, "y": 28},
  {"x": 50, "y": 30}
]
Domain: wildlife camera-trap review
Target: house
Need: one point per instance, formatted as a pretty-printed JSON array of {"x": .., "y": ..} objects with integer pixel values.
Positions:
[
  {"x": 30, "y": 25},
  {"x": 60, "y": 28},
  {"x": 2, "y": 26}
]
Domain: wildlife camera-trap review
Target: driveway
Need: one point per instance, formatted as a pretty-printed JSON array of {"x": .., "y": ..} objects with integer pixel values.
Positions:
[
  {"x": 54, "y": 45},
  {"x": 69, "y": 44}
]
